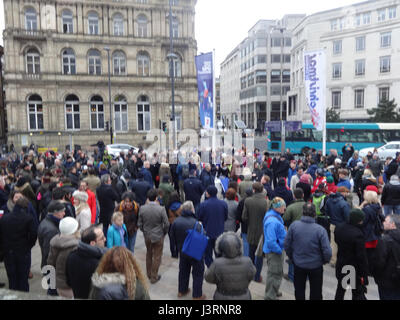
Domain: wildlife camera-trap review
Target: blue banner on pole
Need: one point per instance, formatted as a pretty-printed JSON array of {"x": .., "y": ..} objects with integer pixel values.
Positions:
[
  {"x": 205, "y": 78},
  {"x": 292, "y": 126},
  {"x": 273, "y": 126}
]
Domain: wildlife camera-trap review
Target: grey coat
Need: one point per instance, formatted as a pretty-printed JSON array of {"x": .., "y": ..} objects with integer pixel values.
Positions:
[
  {"x": 46, "y": 231},
  {"x": 232, "y": 273},
  {"x": 230, "y": 222},
  {"x": 307, "y": 244},
  {"x": 255, "y": 208},
  {"x": 60, "y": 247},
  {"x": 153, "y": 221}
]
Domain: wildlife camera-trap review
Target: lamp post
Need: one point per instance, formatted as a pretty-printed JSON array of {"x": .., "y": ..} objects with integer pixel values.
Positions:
[
  {"x": 283, "y": 130},
  {"x": 171, "y": 56},
  {"x": 109, "y": 94}
]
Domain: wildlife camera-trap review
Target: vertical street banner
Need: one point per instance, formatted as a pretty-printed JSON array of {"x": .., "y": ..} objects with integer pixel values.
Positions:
[
  {"x": 315, "y": 85},
  {"x": 205, "y": 78}
]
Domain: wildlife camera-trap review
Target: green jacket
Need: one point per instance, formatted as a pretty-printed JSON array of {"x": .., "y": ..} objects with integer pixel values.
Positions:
[
  {"x": 167, "y": 189},
  {"x": 254, "y": 211},
  {"x": 293, "y": 212}
]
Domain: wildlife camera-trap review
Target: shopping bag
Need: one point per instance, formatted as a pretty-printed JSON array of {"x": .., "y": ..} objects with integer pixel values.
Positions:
[{"x": 195, "y": 243}]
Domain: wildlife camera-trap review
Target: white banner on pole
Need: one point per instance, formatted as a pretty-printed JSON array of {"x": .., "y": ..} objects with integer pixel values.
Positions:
[{"x": 315, "y": 85}]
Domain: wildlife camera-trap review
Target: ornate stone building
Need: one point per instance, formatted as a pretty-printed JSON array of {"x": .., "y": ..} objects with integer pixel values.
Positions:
[{"x": 56, "y": 69}]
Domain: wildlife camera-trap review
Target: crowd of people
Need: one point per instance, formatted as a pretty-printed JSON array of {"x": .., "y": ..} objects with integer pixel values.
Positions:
[{"x": 85, "y": 211}]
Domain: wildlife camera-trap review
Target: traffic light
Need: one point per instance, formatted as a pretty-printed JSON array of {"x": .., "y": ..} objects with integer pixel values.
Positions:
[
  {"x": 107, "y": 126},
  {"x": 164, "y": 126}
]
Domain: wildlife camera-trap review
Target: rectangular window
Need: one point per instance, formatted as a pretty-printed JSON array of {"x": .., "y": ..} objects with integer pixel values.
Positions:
[
  {"x": 275, "y": 58},
  {"x": 286, "y": 76},
  {"x": 286, "y": 58},
  {"x": 334, "y": 24},
  {"x": 262, "y": 59},
  {"x": 261, "y": 76},
  {"x": 243, "y": 83},
  {"x": 336, "y": 99},
  {"x": 367, "y": 18},
  {"x": 382, "y": 15},
  {"x": 360, "y": 67},
  {"x": 386, "y": 39},
  {"x": 392, "y": 12},
  {"x": 384, "y": 94},
  {"x": 250, "y": 79},
  {"x": 275, "y": 76},
  {"x": 288, "y": 42},
  {"x": 143, "y": 117},
  {"x": 385, "y": 64},
  {"x": 336, "y": 70},
  {"x": 276, "y": 42},
  {"x": 275, "y": 90},
  {"x": 359, "y": 98},
  {"x": 337, "y": 47},
  {"x": 360, "y": 43},
  {"x": 357, "y": 20}
]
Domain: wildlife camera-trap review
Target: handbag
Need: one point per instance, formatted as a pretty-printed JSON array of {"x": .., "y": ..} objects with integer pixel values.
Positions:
[{"x": 195, "y": 243}]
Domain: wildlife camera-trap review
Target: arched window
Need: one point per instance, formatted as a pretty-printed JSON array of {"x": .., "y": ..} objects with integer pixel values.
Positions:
[
  {"x": 143, "y": 114},
  {"x": 119, "y": 63},
  {"x": 32, "y": 61},
  {"x": 68, "y": 61},
  {"x": 67, "y": 21},
  {"x": 175, "y": 27},
  {"x": 121, "y": 114},
  {"x": 93, "y": 23},
  {"x": 30, "y": 19},
  {"x": 96, "y": 113},
  {"x": 118, "y": 24},
  {"x": 177, "y": 66},
  {"x": 142, "y": 26},
  {"x": 72, "y": 116},
  {"x": 94, "y": 62},
  {"x": 35, "y": 112},
  {"x": 143, "y": 63}
]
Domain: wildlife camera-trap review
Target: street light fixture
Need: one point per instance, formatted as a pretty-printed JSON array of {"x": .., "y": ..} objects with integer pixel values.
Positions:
[{"x": 109, "y": 94}]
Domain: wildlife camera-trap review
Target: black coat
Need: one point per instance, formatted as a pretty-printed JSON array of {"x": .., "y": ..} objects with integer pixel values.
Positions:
[
  {"x": 3, "y": 197},
  {"x": 179, "y": 228},
  {"x": 284, "y": 193},
  {"x": 18, "y": 231},
  {"x": 392, "y": 169},
  {"x": 306, "y": 189},
  {"x": 282, "y": 169},
  {"x": 193, "y": 189},
  {"x": 140, "y": 189},
  {"x": 351, "y": 249},
  {"x": 80, "y": 266},
  {"x": 385, "y": 263},
  {"x": 48, "y": 228},
  {"x": 107, "y": 197},
  {"x": 391, "y": 195}
]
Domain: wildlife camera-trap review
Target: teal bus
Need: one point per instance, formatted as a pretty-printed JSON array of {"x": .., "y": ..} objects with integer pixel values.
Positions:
[{"x": 360, "y": 135}]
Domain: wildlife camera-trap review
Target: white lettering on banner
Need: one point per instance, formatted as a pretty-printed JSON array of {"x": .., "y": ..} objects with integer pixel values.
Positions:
[{"x": 315, "y": 85}]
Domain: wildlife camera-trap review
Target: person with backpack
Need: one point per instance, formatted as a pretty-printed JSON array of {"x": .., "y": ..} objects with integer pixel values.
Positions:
[
  {"x": 319, "y": 200},
  {"x": 387, "y": 260}
]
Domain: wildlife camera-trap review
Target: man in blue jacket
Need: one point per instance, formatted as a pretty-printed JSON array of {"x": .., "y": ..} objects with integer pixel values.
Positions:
[
  {"x": 147, "y": 174},
  {"x": 274, "y": 237},
  {"x": 181, "y": 225},
  {"x": 193, "y": 189},
  {"x": 212, "y": 213},
  {"x": 307, "y": 245}
]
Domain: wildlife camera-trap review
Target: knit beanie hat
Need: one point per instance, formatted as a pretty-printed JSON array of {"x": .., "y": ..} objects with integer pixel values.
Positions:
[
  {"x": 329, "y": 179},
  {"x": 372, "y": 188},
  {"x": 68, "y": 226},
  {"x": 305, "y": 178},
  {"x": 356, "y": 216},
  {"x": 277, "y": 203}
]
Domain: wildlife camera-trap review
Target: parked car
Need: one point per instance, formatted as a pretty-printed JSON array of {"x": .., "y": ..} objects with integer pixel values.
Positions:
[
  {"x": 115, "y": 149},
  {"x": 387, "y": 150}
]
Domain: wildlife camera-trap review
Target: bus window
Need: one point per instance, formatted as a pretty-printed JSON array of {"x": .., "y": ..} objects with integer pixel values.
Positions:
[
  {"x": 275, "y": 136},
  {"x": 317, "y": 135},
  {"x": 394, "y": 135},
  {"x": 332, "y": 135}
]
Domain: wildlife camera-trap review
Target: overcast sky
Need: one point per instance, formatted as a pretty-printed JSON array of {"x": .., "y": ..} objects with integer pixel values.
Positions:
[{"x": 223, "y": 24}]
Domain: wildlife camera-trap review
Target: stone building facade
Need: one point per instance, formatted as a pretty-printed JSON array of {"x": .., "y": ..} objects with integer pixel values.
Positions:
[{"x": 56, "y": 70}]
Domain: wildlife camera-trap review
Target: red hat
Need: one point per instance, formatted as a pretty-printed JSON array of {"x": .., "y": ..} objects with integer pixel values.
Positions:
[{"x": 372, "y": 188}]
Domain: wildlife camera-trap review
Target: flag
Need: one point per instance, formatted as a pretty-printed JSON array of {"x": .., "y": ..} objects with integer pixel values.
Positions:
[{"x": 205, "y": 85}]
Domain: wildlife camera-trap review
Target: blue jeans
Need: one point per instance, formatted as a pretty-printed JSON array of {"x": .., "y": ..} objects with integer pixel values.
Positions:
[
  {"x": 388, "y": 294},
  {"x": 132, "y": 241},
  {"x": 257, "y": 261},
  {"x": 291, "y": 271},
  {"x": 245, "y": 245},
  {"x": 17, "y": 267},
  {"x": 185, "y": 265},
  {"x": 388, "y": 209}
]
